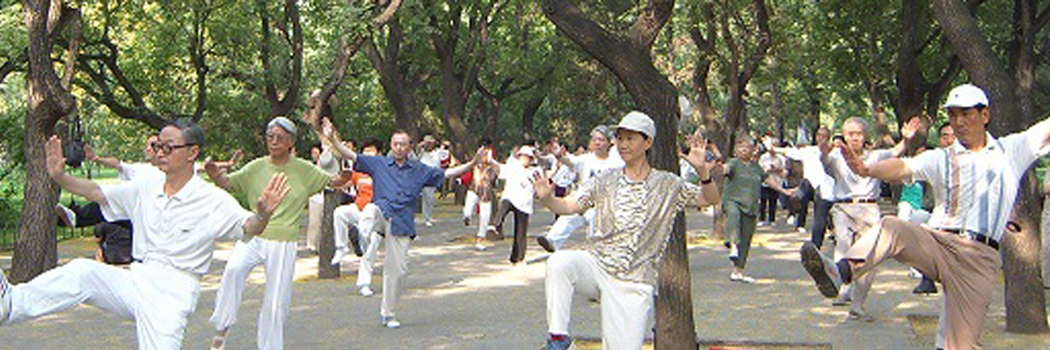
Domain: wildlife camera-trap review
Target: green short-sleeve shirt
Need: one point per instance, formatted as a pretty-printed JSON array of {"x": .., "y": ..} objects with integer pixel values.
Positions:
[
  {"x": 304, "y": 180},
  {"x": 744, "y": 185}
]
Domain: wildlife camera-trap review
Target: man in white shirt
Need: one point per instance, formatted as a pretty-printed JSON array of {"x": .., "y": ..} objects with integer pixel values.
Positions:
[
  {"x": 857, "y": 195},
  {"x": 177, "y": 219},
  {"x": 773, "y": 163},
  {"x": 596, "y": 162},
  {"x": 431, "y": 156},
  {"x": 975, "y": 182},
  {"x": 817, "y": 185}
]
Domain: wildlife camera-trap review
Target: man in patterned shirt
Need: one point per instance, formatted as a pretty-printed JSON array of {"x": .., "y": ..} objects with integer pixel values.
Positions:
[{"x": 634, "y": 211}]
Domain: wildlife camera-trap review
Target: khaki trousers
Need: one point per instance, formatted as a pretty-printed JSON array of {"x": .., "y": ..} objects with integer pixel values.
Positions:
[
  {"x": 851, "y": 220},
  {"x": 966, "y": 269}
]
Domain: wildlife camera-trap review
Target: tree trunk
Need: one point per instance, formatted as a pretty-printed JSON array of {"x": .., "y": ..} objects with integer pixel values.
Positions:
[
  {"x": 1025, "y": 299},
  {"x": 397, "y": 88},
  {"x": 528, "y": 115},
  {"x": 48, "y": 101},
  {"x": 326, "y": 248}
]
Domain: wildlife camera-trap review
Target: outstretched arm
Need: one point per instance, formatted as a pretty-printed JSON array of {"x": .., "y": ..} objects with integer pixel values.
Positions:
[
  {"x": 56, "y": 169},
  {"x": 331, "y": 136},
  {"x": 462, "y": 168},
  {"x": 109, "y": 162},
  {"x": 545, "y": 190}
]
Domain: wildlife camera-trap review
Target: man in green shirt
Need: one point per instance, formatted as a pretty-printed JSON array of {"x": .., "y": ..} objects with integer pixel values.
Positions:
[{"x": 276, "y": 246}]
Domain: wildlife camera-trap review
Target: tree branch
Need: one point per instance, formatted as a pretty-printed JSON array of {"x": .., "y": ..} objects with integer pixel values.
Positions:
[{"x": 650, "y": 21}]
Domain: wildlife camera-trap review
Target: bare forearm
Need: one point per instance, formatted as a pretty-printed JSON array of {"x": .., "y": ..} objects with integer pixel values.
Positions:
[
  {"x": 108, "y": 162},
  {"x": 219, "y": 178},
  {"x": 711, "y": 195},
  {"x": 561, "y": 205},
  {"x": 459, "y": 170},
  {"x": 81, "y": 187},
  {"x": 890, "y": 170}
]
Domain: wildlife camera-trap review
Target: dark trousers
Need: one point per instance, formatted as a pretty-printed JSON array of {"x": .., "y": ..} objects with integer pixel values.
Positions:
[
  {"x": 821, "y": 210},
  {"x": 767, "y": 206},
  {"x": 805, "y": 194},
  {"x": 521, "y": 228}
]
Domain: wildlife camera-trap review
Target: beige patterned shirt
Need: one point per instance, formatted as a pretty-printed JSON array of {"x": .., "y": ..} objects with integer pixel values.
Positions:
[{"x": 633, "y": 220}]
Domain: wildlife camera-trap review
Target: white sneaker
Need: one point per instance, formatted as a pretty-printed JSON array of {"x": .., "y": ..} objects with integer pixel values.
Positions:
[
  {"x": 763, "y": 223},
  {"x": 68, "y": 217},
  {"x": 801, "y": 229},
  {"x": 430, "y": 224},
  {"x": 366, "y": 291},
  {"x": 791, "y": 220},
  {"x": 739, "y": 277},
  {"x": 5, "y": 298},
  {"x": 390, "y": 322},
  {"x": 340, "y": 253},
  {"x": 480, "y": 247}
]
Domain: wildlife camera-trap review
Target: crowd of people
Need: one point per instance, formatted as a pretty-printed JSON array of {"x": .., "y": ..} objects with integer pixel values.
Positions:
[{"x": 952, "y": 211}]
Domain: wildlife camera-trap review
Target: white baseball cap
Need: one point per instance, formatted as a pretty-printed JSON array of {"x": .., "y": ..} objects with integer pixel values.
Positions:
[
  {"x": 638, "y": 121},
  {"x": 966, "y": 96}
]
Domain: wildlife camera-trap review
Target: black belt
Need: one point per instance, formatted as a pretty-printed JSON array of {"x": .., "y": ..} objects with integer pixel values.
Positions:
[
  {"x": 978, "y": 237},
  {"x": 857, "y": 200}
]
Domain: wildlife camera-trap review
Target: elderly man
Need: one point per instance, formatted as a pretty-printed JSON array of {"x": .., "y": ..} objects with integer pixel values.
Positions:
[
  {"x": 276, "y": 247},
  {"x": 177, "y": 218},
  {"x": 431, "y": 156},
  {"x": 397, "y": 181},
  {"x": 975, "y": 182},
  {"x": 634, "y": 211}
]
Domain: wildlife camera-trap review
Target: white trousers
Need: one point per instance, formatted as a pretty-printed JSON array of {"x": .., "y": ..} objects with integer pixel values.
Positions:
[
  {"x": 315, "y": 217},
  {"x": 626, "y": 306},
  {"x": 159, "y": 298},
  {"x": 428, "y": 203},
  {"x": 851, "y": 221},
  {"x": 395, "y": 269},
  {"x": 916, "y": 216},
  {"x": 484, "y": 211},
  {"x": 278, "y": 258},
  {"x": 365, "y": 221},
  {"x": 566, "y": 225}
]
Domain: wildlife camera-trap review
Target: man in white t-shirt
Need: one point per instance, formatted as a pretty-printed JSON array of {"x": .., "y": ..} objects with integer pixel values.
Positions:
[
  {"x": 774, "y": 164},
  {"x": 597, "y": 161},
  {"x": 177, "y": 217},
  {"x": 817, "y": 185}
]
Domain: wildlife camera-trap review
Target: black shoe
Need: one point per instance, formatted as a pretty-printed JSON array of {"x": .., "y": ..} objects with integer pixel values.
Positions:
[
  {"x": 545, "y": 243},
  {"x": 355, "y": 240},
  {"x": 926, "y": 286},
  {"x": 466, "y": 221}
]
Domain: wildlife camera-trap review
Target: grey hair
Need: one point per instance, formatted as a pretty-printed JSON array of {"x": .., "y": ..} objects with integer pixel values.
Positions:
[
  {"x": 605, "y": 130},
  {"x": 191, "y": 134},
  {"x": 859, "y": 121}
]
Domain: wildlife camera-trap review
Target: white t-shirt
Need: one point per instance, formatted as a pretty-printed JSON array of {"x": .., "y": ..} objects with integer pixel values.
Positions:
[
  {"x": 975, "y": 191},
  {"x": 813, "y": 169},
  {"x": 432, "y": 158},
  {"x": 849, "y": 185},
  {"x": 518, "y": 186},
  {"x": 565, "y": 177},
  {"x": 588, "y": 166},
  {"x": 134, "y": 171},
  {"x": 180, "y": 230},
  {"x": 769, "y": 161}
]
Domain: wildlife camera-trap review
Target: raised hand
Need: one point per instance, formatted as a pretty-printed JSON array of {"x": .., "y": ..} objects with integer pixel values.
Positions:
[
  {"x": 272, "y": 196},
  {"x": 89, "y": 152},
  {"x": 697, "y": 156},
  {"x": 56, "y": 162},
  {"x": 911, "y": 127},
  {"x": 542, "y": 185},
  {"x": 853, "y": 160}
]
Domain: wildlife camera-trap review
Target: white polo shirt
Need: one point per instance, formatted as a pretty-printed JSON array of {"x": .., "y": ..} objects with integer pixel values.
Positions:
[
  {"x": 518, "y": 187},
  {"x": 178, "y": 231},
  {"x": 813, "y": 170},
  {"x": 588, "y": 166},
  {"x": 975, "y": 190},
  {"x": 849, "y": 185},
  {"x": 134, "y": 171}
]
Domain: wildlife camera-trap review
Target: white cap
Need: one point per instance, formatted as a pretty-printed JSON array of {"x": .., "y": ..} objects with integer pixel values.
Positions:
[
  {"x": 966, "y": 96},
  {"x": 638, "y": 121},
  {"x": 526, "y": 151},
  {"x": 282, "y": 122}
]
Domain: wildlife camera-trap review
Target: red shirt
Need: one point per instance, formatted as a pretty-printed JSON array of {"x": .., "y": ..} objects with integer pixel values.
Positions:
[{"x": 363, "y": 184}]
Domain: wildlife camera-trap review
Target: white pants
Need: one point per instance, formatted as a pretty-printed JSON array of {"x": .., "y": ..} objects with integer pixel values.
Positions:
[
  {"x": 626, "y": 306},
  {"x": 916, "y": 216},
  {"x": 484, "y": 211},
  {"x": 159, "y": 298},
  {"x": 566, "y": 225},
  {"x": 278, "y": 258},
  {"x": 851, "y": 221},
  {"x": 395, "y": 269},
  {"x": 315, "y": 214},
  {"x": 365, "y": 221},
  {"x": 428, "y": 203}
]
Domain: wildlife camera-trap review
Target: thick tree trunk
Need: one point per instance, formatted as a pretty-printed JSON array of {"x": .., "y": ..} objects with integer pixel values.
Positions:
[
  {"x": 48, "y": 101},
  {"x": 399, "y": 91},
  {"x": 325, "y": 269},
  {"x": 528, "y": 115}
]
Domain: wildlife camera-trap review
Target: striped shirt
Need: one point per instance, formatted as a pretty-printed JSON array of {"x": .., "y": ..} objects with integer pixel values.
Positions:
[{"x": 975, "y": 191}]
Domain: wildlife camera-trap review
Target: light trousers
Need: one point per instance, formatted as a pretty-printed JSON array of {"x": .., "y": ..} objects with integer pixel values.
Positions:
[
  {"x": 484, "y": 211},
  {"x": 365, "y": 221},
  {"x": 851, "y": 221},
  {"x": 967, "y": 269},
  {"x": 626, "y": 306},
  {"x": 395, "y": 269},
  {"x": 315, "y": 217},
  {"x": 428, "y": 203},
  {"x": 159, "y": 298},
  {"x": 566, "y": 225},
  {"x": 278, "y": 258}
]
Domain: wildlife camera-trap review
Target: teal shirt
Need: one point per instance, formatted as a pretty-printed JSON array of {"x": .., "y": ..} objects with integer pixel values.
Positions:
[
  {"x": 744, "y": 185},
  {"x": 912, "y": 194}
]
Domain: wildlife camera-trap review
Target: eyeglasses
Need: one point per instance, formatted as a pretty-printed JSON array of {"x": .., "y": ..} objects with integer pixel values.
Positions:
[
  {"x": 277, "y": 137},
  {"x": 167, "y": 148}
]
